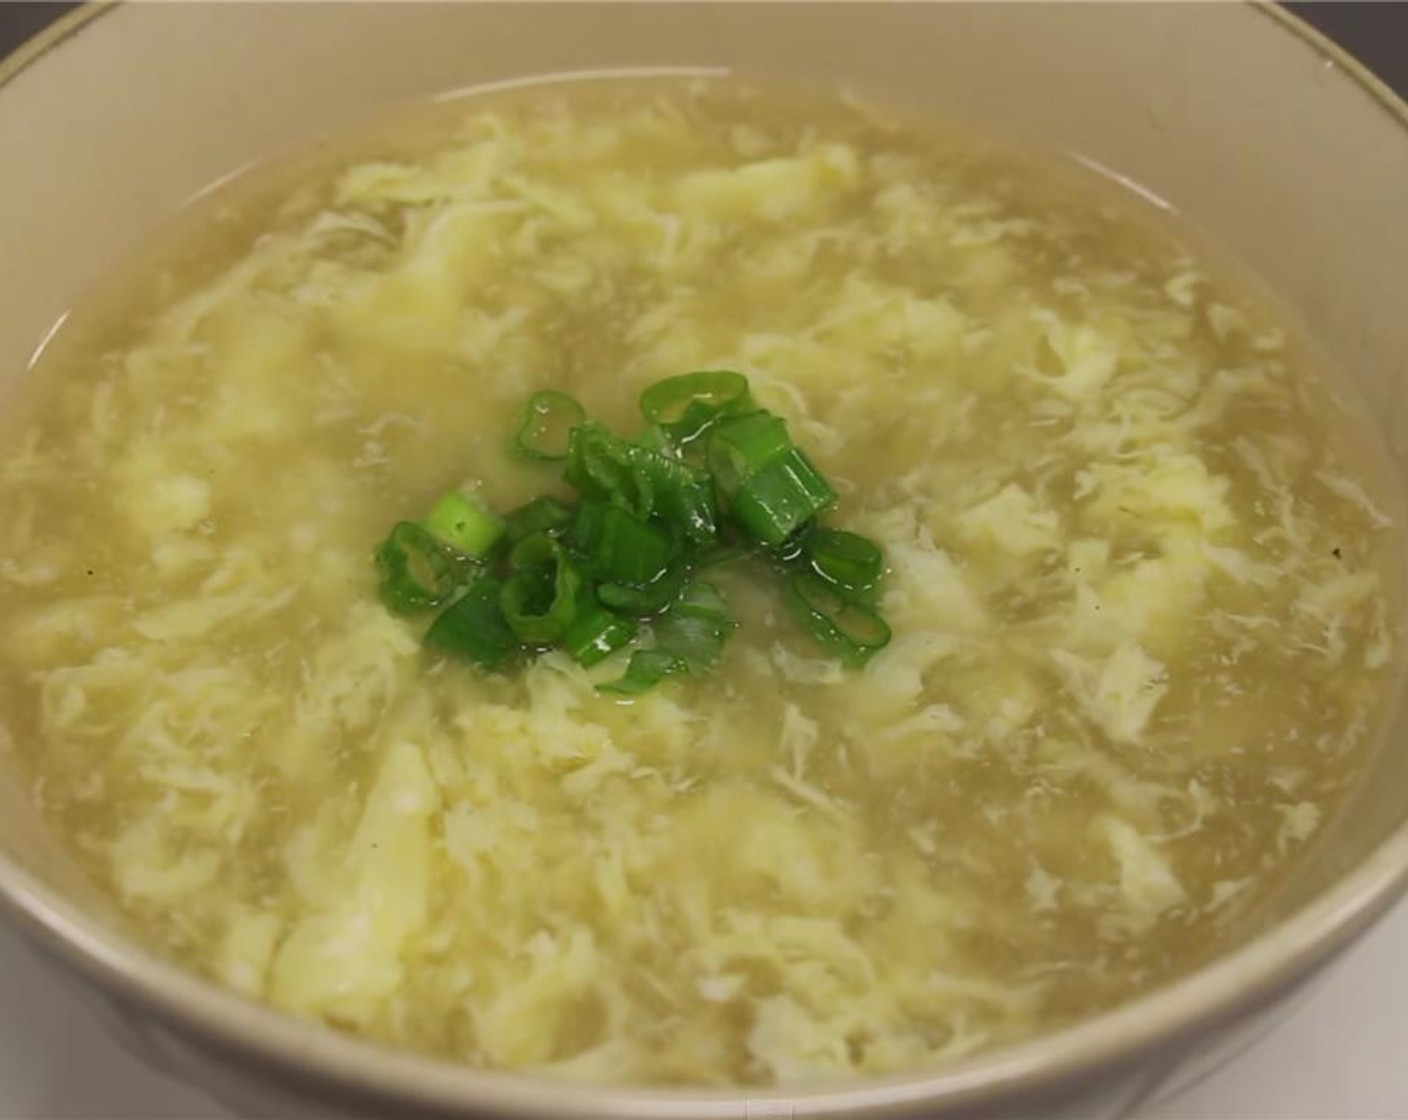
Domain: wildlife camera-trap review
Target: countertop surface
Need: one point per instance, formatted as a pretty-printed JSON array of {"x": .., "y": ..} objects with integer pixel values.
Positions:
[{"x": 1343, "y": 1055}]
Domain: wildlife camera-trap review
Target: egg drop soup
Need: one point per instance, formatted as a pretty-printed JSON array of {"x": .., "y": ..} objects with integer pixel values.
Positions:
[{"x": 1140, "y": 573}]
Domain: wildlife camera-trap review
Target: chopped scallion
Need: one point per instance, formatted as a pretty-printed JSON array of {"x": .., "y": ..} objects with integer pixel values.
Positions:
[
  {"x": 464, "y": 524},
  {"x": 600, "y": 466},
  {"x": 539, "y": 604},
  {"x": 595, "y": 633},
  {"x": 850, "y": 561},
  {"x": 743, "y": 445},
  {"x": 652, "y": 598},
  {"x": 708, "y": 392},
  {"x": 712, "y": 478},
  {"x": 779, "y": 498},
  {"x": 850, "y": 630},
  {"x": 646, "y": 669},
  {"x": 618, "y": 547},
  {"x": 695, "y": 628},
  {"x": 415, "y": 570},
  {"x": 536, "y": 551},
  {"x": 548, "y": 419},
  {"x": 541, "y": 515},
  {"x": 473, "y": 627}
]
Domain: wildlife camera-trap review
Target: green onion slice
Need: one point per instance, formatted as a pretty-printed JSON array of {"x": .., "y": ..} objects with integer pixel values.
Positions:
[
  {"x": 541, "y": 515},
  {"x": 415, "y": 570},
  {"x": 646, "y": 669},
  {"x": 717, "y": 390},
  {"x": 539, "y": 600},
  {"x": 848, "y": 560},
  {"x": 684, "y": 497},
  {"x": 659, "y": 439},
  {"x": 647, "y": 482},
  {"x": 777, "y": 500},
  {"x": 617, "y": 547},
  {"x": 701, "y": 600},
  {"x": 600, "y": 466},
  {"x": 538, "y": 551},
  {"x": 473, "y": 627},
  {"x": 695, "y": 628},
  {"x": 650, "y": 599},
  {"x": 724, "y": 554},
  {"x": 743, "y": 445},
  {"x": 547, "y": 423},
  {"x": 460, "y": 521},
  {"x": 595, "y": 632},
  {"x": 794, "y": 547},
  {"x": 848, "y": 629},
  {"x": 712, "y": 478}
]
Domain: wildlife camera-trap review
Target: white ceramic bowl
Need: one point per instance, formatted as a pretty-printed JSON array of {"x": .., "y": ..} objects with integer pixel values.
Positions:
[{"x": 1290, "y": 155}]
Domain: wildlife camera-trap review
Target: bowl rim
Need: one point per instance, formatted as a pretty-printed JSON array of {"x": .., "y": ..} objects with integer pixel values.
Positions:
[{"x": 304, "y": 1055}]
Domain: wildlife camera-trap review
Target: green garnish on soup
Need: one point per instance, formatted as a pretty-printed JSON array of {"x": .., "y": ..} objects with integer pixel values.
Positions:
[{"x": 713, "y": 478}]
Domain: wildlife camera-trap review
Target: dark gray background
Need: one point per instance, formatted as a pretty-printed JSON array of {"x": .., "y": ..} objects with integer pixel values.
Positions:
[{"x": 1376, "y": 33}]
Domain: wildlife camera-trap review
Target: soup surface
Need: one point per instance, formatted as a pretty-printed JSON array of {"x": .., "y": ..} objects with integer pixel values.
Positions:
[{"x": 1137, "y": 579}]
